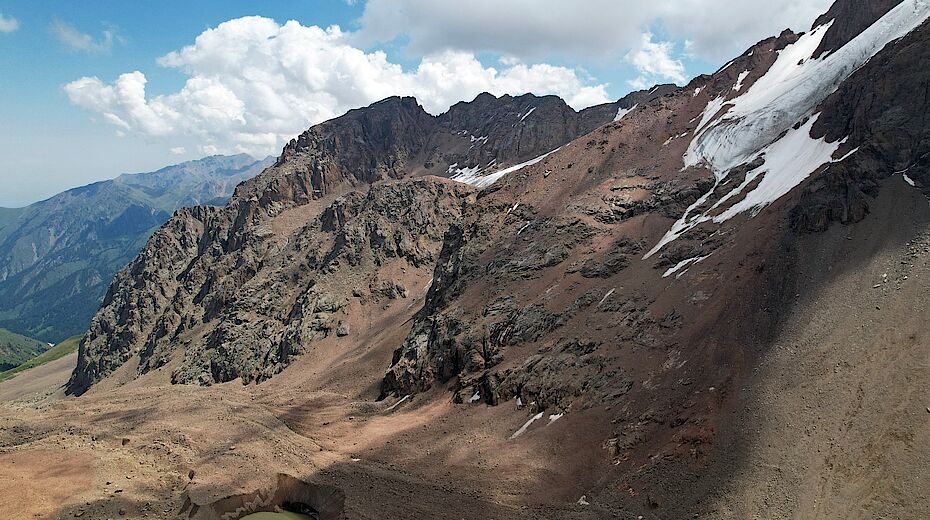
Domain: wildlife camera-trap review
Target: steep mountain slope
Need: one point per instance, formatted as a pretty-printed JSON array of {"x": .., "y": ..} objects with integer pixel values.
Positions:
[
  {"x": 16, "y": 350},
  {"x": 573, "y": 339},
  {"x": 619, "y": 313},
  {"x": 207, "y": 265},
  {"x": 56, "y": 256}
]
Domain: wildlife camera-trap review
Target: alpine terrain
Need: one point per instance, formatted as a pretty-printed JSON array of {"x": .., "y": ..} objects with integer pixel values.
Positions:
[
  {"x": 58, "y": 256},
  {"x": 705, "y": 301}
]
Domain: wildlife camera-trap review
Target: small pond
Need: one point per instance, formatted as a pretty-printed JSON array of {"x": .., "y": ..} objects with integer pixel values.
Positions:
[{"x": 276, "y": 516}]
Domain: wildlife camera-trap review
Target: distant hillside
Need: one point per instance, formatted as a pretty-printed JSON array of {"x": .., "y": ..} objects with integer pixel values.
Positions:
[
  {"x": 57, "y": 352},
  {"x": 57, "y": 256},
  {"x": 16, "y": 350}
]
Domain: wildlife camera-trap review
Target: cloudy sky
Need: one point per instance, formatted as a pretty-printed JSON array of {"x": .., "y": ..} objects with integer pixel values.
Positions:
[{"x": 89, "y": 90}]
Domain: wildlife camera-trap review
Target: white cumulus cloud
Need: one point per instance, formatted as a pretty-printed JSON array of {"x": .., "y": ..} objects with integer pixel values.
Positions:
[
  {"x": 600, "y": 29},
  {"x": 655, "y": 63},
  {"x": 8, "y": 24},
  {"x": 253, "y": 84}
]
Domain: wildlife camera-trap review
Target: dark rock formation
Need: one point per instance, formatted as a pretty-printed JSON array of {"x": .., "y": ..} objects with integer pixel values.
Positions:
[
  {"x": 880, "y": 109},
  {"x": 245, "y": 313},
  {"x": 849, "y": 18}
]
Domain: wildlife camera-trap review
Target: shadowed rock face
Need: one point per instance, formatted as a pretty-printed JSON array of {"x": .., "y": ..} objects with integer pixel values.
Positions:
[
  {"x": 881, "y": 108},
  {"x": 850, "y": 18}
]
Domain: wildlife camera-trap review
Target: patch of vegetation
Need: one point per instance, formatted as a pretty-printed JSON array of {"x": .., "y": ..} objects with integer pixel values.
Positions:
[
  {"x": 16, "y": 349},
  {"x": 57, "y": 352}
]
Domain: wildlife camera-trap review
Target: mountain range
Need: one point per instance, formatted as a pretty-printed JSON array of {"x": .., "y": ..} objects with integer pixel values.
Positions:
[
  {"x": 57, "y": 256},
  {"x": 704, "y": 301}
]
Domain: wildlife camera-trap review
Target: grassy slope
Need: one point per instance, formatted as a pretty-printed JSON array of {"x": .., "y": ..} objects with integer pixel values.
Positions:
[
  {"x": 58, "y": 351},
  {"x": 16, "y": 349}
]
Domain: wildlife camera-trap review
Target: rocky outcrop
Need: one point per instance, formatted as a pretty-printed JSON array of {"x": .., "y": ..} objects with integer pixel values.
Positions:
[
  {"x": 522, "y": 309},
  {"x": 219, "y": 283},
  {"x": 246, "y": 313},
  {"x": 504, "y": 130}
]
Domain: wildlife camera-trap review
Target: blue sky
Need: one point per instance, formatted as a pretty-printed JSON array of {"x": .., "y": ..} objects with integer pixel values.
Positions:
[
  {"x": 48, "y": 145},
  {"x": 67, "y": 118}
]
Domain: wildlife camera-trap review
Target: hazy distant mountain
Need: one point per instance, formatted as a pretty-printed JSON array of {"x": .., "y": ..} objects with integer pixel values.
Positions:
[{"x": 57, "y": 256}]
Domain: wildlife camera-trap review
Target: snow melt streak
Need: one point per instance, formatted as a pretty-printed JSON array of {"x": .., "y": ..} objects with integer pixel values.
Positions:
[
  {"x": 526, "y": 425},
  {"x": 788, "y": 162},
  {"x": 473, "y": 175}
]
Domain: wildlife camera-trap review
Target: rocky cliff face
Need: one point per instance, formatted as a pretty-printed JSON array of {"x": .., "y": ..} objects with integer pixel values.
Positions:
[
  {"x": 880, "y": 109},
  {"x": 246, "y": 313},
  {"x": 57, "y": 256},
  {"x": 180, "y": 292}
]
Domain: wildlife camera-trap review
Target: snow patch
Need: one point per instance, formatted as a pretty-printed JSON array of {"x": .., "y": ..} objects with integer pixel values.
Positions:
[
  {"x": 473, "y": 175},
  {"x": 467, "y": 175},
  {"x": 740, "y": 79},
  {"x": 526, "y": 425},
  {"x": 787, "y": 162},
  {"x": 909, "y": 180},
  {"x": 673, "y": 138},
  {"x": 761, "y": 120},
  {"x": 794, "y": 85},
  {"x": 711, "y": 110},
  {"x": 623, "y": 112},
  {"x": 526, "y": 115},
  {"x": 555, "y": 417},
  {"x": 475, "y": 398},
  {"x": 681, "y": 265},
  {"x": 398, "y": 403}
]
